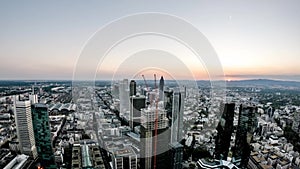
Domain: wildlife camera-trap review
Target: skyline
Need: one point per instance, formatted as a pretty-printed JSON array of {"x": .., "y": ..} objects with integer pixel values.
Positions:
[{"x": 252, "y": 39}]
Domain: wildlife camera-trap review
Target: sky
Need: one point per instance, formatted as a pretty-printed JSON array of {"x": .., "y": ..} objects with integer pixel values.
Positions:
[{"x": 253, "y": 39}]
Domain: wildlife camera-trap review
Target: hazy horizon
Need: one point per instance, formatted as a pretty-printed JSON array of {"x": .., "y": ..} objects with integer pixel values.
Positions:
[
  {"x": 151, "y": 80},
  {"x": 253, "y": 39}
]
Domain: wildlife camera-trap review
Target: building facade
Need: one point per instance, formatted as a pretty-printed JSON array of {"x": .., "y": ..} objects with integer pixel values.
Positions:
[
  {"x": 245, "y": 130},
  {"x": 42, "y": 133},
  {"x": 177, "y": 116},
  {"x": 136, "y": 104},
  {"x": 155, "y": 137},
  {"x": 225, "y": 129},
  {"x": 23, "y": 118}
]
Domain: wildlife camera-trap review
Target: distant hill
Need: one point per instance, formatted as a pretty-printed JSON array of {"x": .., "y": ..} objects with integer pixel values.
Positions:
[
  {"x": 170, "y": 83},
  {"x": 31, "y": 82},
  {"x": 263, "y": 83}
]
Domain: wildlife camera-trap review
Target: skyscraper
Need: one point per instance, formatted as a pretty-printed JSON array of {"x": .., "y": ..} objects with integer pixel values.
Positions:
[
  {"x": 136, "y": 104},
  {"x": 175, "y": 155},
  {"x": 225, "y": 129},
  {"x": 168, "y": 102},
  {"x": 40, "y": 119},
  {"x": 132, "y": 88},
  {"x": 161, "y": 88},
  {"x": 177, "y": 116},
  {"x": 23, "y": 118},
  {"x": 174, "y": 105},
  {"x": 154, "y": 138},
  {"x": 246, "y": 127},
  {"x": 124, "y": 99}
]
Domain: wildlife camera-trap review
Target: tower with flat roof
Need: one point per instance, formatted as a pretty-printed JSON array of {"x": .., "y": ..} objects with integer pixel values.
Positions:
[
  {"x": 177, "y": 116},
  {"x": 124, "y": 158},
  {"x": 23, "y": 118},
  {"x": 155, "y": 137},
  {"x": 245, "y": 130},
  {"x": 225, "y": 129},
  {"x": 42, "y": 133},
  {"x": 132, "y": 88},
  {"x": 124, "y": 98},
  {"x": 175, "y": 155},
  {"x": 136, "y": 104}
]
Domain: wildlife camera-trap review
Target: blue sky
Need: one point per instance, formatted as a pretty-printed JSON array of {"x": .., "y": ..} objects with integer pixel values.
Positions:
[{"x": 42, "y": 39}]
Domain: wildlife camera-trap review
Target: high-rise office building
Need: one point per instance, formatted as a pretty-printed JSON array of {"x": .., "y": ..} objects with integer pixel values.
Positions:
[
  {"x": 132, "y": 88},
  {"x": 23, "y": 118},
  {"x": 136, "y": 104},
  {"x": 175, "y": 155},
  {"x": 42, "y": 133},
  {"x": 177, "y": 116},
  {"x": 168, "y": 101},
  {"x": 225, "y": 129},
  {"x": 124, "y": 98},
  {"x": 174, "y": 106},
  {"x": 161, "y": 88},
  {"x": 246, "y": 127},
  {"x": 155, "y": 138}
]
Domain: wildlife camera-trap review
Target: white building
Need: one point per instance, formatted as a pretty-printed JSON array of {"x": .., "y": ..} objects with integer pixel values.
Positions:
[
  {"x": 24, "y": 126},
  {"x": 18, "y": 162}
]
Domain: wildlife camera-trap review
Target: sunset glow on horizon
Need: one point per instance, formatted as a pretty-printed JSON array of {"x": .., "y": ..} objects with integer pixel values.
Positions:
[{"x": 253, "y": 39}]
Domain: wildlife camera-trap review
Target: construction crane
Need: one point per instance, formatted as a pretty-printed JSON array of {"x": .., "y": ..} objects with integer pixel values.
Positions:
[{"x": 145, "y": 81}]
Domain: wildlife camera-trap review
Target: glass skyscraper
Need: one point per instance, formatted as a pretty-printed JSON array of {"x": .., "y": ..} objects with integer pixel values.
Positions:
[{"x": 41, "y": 126}]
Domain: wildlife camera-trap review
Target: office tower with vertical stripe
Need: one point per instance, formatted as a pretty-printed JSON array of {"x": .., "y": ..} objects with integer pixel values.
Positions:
[{"x": 23, "y": 118}]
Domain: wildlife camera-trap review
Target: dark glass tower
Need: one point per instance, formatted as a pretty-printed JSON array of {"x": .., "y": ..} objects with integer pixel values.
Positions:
[
  {"x": 42, "y": 134},
  {"x": 168, "y": 102},
  {"x": 225, "y": 129},
  {"x": 175, "y": 155},
  {"x": 132, "y": 88},
  {"x": 246, "y": 127},
  {"x": 136, "y": 104},
  {"x": 161, "y": 87}
]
